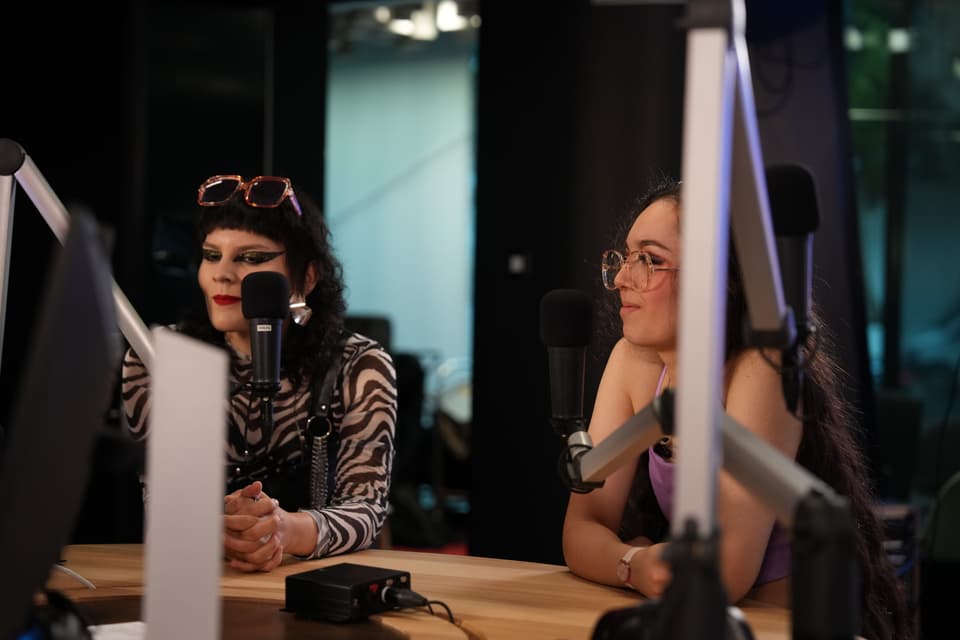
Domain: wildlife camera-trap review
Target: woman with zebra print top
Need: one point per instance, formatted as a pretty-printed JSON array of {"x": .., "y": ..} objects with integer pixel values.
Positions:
[{"x": 280, "y": 499}]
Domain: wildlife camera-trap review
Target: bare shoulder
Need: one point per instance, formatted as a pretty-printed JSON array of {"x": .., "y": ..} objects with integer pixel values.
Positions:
[
  {"x": 634, "y": 371},
  {"x": 754, "y": 365},
  {"x": 754, "y": 397}
]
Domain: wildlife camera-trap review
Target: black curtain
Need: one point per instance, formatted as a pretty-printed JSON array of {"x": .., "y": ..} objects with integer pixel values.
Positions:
[{"x": 577, "y": 107}]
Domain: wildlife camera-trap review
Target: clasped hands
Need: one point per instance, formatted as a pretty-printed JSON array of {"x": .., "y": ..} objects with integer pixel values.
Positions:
[{"x": 254, "y": 528}]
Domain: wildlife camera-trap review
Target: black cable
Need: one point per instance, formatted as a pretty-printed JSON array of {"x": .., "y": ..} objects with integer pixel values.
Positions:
[
  {"x": 765, "y": 52},
  {"x": 442, "y": 604},
  {"x": 805, "y": 361},
  {"x": 402, "y": 598},
  {"x": 780, "y": 93}
]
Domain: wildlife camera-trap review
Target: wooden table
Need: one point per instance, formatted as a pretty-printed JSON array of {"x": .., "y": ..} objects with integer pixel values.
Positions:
[{"x": 489, "y": 598}]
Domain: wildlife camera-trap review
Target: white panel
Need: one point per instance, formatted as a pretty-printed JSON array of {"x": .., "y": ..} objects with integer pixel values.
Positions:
[
  {"x": 708, "y": 125},
  {"x": 185, "y": 475}
]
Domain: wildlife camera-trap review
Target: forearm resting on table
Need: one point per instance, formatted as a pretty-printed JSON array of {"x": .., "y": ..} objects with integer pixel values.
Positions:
[{"x": 591, "y": 551}]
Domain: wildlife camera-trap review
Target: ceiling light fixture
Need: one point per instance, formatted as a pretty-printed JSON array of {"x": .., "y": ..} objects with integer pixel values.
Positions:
[
  {"x": 448, "y": 16},
  {"x": 401, "y": 26},
  {"x": 424, "y": 23},
  {"x": 382, "y": 14}
]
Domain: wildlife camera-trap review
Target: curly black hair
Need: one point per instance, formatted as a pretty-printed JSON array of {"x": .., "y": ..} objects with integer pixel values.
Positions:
[
  {"x": 306, "y": 237},
  {"x": 829, "y": 445}
]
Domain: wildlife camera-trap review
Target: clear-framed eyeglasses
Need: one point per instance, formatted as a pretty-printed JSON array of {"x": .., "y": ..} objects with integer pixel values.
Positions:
[{"x": 639, "y": 265}]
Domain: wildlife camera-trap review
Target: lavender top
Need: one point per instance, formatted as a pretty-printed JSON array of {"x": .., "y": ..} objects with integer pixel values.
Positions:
[{"x": 776, "y": 560}]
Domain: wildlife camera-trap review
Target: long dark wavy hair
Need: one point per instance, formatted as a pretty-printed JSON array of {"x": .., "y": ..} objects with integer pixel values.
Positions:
[
  {"x": 308, "y": 349},
  {"x": 828, "y": 448}
]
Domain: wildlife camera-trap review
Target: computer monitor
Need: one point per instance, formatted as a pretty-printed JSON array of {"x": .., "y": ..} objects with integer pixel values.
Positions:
[{"x": 63, "y": 396}]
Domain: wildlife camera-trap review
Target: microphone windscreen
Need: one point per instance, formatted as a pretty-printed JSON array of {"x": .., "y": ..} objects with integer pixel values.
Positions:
[
  {"x": 793, "y": 200},
  {"x": 566, "y": 318},
  {"x": 265, "y": 294}
]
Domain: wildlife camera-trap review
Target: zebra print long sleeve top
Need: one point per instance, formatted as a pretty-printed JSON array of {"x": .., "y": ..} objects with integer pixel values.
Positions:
[{"x": 363, "y": 412}]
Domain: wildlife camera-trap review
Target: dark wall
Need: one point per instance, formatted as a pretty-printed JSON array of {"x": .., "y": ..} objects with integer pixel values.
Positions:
[
  {"x": 66, "y": 101},
  {"x": 576, "y": 107},
  {"x": 127, "y": 111}
]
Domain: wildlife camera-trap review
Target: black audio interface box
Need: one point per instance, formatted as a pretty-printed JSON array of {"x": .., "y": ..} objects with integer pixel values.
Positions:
[{"x": 342, "y": 592}]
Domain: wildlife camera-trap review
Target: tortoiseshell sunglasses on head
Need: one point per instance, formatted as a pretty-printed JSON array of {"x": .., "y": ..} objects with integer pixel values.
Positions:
[{"x": 266, "y": 192}]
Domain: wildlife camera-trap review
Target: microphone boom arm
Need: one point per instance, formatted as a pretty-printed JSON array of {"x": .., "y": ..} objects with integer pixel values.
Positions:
[
  {"x": 629, "y": 440},
  {"x": 819, "y": 519},
  {"x": 773, "y": 478},
  {"x": 15, "y": 163}
]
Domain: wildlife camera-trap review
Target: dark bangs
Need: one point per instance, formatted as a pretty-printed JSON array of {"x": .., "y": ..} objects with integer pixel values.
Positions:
[{"x": 280, "y": 224}]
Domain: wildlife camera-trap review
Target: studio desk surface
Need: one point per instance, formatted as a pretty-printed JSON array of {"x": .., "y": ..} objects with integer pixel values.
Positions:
[{"x": 489, "y": 598}]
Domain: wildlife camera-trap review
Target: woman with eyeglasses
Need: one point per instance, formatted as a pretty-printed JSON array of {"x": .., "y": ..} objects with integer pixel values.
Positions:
[
  {"x": 315, "y": 484},
  {"x": 616, "y": 535}
]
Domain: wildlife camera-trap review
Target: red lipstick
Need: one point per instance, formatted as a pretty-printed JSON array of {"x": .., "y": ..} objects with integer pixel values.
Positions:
[{"x": 225, "y": 300}]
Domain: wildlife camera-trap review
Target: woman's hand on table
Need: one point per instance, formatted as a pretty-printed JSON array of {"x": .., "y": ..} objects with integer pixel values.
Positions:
[{"x": 253, "y": 526}]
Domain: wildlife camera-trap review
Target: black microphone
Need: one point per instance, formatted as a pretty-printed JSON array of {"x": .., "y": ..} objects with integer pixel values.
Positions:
[
  {"x": 796, "y": 215},
  {"x": 566, "y": 318},
  {"x": 265, "y": 298}
]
